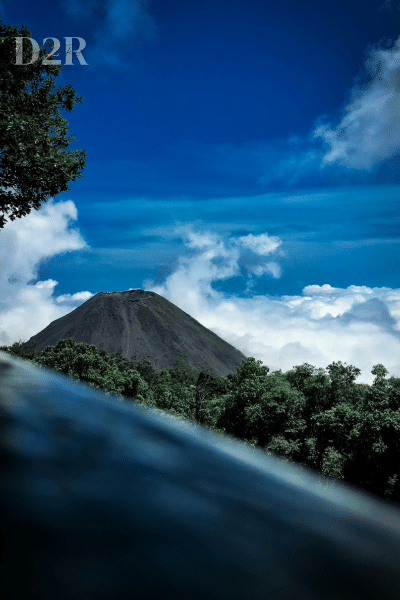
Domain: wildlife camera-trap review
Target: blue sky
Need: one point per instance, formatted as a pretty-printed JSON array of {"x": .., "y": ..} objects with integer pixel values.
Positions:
[{"x": 241, "y": 154}]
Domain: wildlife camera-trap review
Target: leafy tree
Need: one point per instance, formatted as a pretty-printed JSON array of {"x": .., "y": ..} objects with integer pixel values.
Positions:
[
  {"x": 182, "y": 375},
  {"x": 263, "y": 409},
  {"x": 300, "y": 373},
  {"x": 146, "y": 370},
  {"x": 183, "y": 391},
  {"x": 162, "y": 391},
  {"x": 34, "y": 159},
  {"x": 124, "y": 364},
  {"x": 135, "y": 387},
  {"x": 174, "y": 391},
  {"x": 83, "y": 362},
  {"x": 329, "y": 449},
  {"x": 21, "y": 349},
  {"x": 394, "y": 382},
  {"x": 245, "y": 387},
  {"x": 359, "y": 441},
  {"x": 333, "y": 463},
  {"x": 210, "y": 399},
  {"x": 275, "y": 420},
  {"x": 342, "y": 378},
  {"x": 314, "y": 384},
  {"x": 376, "y": 440},
  {"x": 380, "y": 373},
  {"x": 283, "y": 447}
]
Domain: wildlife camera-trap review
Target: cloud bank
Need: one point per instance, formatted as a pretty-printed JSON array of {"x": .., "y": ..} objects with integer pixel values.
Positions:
[
  {"x": 357, "y": 325},
  {"x": 369, "y": 130},
  {"x": 28, "y": 305}
]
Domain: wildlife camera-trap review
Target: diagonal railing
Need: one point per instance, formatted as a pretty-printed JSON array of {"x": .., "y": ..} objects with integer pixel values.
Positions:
[{"x": 108, "y": 500}]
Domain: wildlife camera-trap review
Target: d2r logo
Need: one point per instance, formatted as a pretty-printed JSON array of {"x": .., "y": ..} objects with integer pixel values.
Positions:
[{"x": 56, "y": 46}]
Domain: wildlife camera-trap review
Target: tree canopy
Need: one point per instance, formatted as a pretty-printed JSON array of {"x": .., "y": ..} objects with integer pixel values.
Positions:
[{"x": 35, "y": 162}]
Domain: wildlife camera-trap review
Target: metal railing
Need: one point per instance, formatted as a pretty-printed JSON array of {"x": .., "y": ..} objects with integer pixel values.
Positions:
[{"x": 108, "y": 500}]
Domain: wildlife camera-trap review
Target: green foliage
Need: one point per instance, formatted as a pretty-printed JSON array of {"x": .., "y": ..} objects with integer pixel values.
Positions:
[
  {"x": 316, "y": 417},
  {"x": 342, "y": 376},
  {"x": 245, "y": 387},
  {"x": 261, "y": 407},
  {"x": 122, "y": 363},
  {"x": 312, "y": 382},
  {"x": 34, "y": 159},
  {"x": 210, "y": 399},
  {"x": 342, "y": 382},
  {"x": 300, "y": 374},
  {"x": 175, "y": 391},
  {"x": 380, "y": 372},
  {"x": 146, "y": 370},
  {"x": 135, "y": 387},
  {"x": 283, "y": 447},
  {"x": 21, "y": 349},
  {"x": 375, "y": 439},
  {"x": 332, "y": 464},
  {"x": 278, "y": 411},
  {"x": 84, "y": 362},
  {"x": 330, "y": 448}
]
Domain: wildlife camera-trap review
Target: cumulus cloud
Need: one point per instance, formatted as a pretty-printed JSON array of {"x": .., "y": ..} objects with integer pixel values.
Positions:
[
  {"x": 260, "y": 244},
  {"x": 369, "y": 130},
  {"x": 28, "y": 305},
  {"x": 215, "y": 259},
  {"x": 357, "y": 325}
]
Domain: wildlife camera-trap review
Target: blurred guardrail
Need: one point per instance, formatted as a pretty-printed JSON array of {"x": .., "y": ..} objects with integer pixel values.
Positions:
[{"x": 107, "y": 500}]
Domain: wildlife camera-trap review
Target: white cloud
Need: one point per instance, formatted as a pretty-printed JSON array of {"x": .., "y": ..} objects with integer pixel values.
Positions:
[
  {"x": 269, "y": 268},
  {"x": 197, "y": 239},
  {"x": 369, "y": 130},
  {"x": 78, "y": 297},
  {"x": 319, "y": 289},
  {"x": 215, "y": 259},
  {"x": 357, "y": 325},
  {"x": 27, "y": 305},
  {"x": 260, "y": 244}
]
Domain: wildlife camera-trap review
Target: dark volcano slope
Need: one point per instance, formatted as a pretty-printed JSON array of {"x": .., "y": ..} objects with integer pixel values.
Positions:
[{"x": 143, "y": 325}]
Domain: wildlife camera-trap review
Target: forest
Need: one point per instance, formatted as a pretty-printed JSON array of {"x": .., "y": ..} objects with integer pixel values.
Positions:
[{"x": 320, "y": 418}]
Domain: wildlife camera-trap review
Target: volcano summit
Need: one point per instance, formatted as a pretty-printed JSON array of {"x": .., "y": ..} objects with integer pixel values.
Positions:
[{"x": 143, "y": 325}]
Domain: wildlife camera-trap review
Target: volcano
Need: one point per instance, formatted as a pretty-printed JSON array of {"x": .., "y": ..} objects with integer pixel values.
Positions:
[{"x": 143, "y": 325}]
